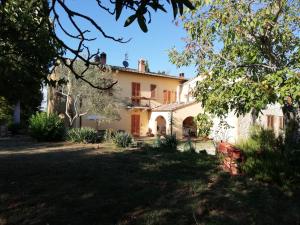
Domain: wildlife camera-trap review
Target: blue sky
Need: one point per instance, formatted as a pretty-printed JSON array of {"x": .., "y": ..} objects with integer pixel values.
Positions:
[{"x": 152, "y": 46}]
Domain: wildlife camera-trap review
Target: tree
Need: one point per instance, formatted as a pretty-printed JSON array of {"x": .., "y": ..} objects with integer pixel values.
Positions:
[
  {"x": 26, "y": 52},
  {"x": 30, "y": 45},
  {"x": 5, "y": 111},
  {"x": 48, "y": 16},
  {"x": 248, "y": 51},
  {"x": 80, "y": 99}
]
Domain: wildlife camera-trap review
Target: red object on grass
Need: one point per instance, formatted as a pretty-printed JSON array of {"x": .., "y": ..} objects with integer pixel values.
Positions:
[{"x": 231, "y": 157}]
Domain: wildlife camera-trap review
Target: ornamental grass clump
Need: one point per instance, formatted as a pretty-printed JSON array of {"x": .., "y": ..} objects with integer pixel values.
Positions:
[
  {"x": 82, "y": 135},
  {"x": 122, "y": 139}
]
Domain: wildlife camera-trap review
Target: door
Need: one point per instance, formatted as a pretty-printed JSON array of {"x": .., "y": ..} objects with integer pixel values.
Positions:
[{"x": 135, "y": 125}]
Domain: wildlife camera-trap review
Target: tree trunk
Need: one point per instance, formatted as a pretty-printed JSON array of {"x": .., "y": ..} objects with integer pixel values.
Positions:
[
  {"x": 291, "y": 116},
  {"x": 17, "y": 113}
]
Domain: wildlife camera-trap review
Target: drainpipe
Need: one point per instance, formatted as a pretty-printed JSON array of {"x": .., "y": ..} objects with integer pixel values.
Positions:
[{"x": 171, "y": 122}]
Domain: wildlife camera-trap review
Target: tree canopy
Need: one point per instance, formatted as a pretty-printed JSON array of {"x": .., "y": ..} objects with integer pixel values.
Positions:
[
  {"x": 77, "y": 98},
  {"x": 247, "y": 51}
]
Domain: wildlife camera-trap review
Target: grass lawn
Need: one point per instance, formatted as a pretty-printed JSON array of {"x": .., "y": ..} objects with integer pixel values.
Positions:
[{"x": 75, "y": 184}]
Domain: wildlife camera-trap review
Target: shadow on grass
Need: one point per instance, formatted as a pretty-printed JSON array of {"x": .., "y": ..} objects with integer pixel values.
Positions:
[{"x": 131, "y": 187}]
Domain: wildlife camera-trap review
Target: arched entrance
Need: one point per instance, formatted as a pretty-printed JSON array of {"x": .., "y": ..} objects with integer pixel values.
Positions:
[
  {"x": 160, "y": 125},
  {"x": 189, "y": 127}
]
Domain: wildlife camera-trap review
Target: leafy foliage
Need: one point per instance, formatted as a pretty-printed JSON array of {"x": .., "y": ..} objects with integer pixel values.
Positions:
[
  {"x": 109, "y": 134},
  {"x": 5, "y": 111},
  {"x": 122, "y": 139},
  {"x": 81, "y": 99},
  {"x": 82, "y": 135},
  {"x": 246, "y": 51},
  {"x": 46, "y": 128},
  {"x": 27, "y": 52},
  {"x": 167, "y": 143},
  {"x": 141, "y": 10},
  {"x": 266, "y": 160},
  {"x": 204, "y": 124},
  {"x": 189, "y": 146}
]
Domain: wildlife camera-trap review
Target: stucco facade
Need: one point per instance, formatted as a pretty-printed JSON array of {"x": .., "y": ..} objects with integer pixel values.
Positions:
[{"x": 153, "y": 103}]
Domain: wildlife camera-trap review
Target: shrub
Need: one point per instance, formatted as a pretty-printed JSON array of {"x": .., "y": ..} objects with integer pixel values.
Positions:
[
  {"x": 109, "y": 134},
  {"x": 46, "y": 128},
  {"x": 204, "y": 124},
  {"x": 264, "y": 158},
  {"x": 157, "y": 142},
  {"x": 122, "y": 139},
  {"x": 189, "y": 146},
  {"x": 168, "y": 143},
  {"x": 5, "y": 111},
  {"x": 82, "y": 135}
]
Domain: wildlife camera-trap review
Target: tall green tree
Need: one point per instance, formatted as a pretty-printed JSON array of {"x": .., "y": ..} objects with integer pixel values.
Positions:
[
  {"x": 26, "y": 52},
  {"x": 248, "y": 53}
]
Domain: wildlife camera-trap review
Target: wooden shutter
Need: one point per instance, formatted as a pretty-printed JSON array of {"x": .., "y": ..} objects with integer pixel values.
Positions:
[
  {"x": 169, "y": 97},
  {"x": 173, "y": 96},
  {"x": 165, "y": 96},
  {"x": 152, "y": 89},
  {"x": 135, "y": 93},
  {"x": 281, "y": 122},
  {"x": 270, "y": 122}
]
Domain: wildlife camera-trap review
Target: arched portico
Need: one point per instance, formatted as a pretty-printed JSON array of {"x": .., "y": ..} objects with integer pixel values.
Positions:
[
  {"x": 189, "y": 127},
  {"x": 161, "y": 125}
]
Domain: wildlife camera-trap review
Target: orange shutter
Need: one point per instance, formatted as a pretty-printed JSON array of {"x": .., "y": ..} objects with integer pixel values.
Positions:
[
  {"x": 173, "y": 96},
  {"x": 169, "y": 97},
  {"x": 270, "y": 121},
  {"x": 152, "y": 89},
  {"x": 165, "y": 96},
  {"x": 135, "y": 93}
]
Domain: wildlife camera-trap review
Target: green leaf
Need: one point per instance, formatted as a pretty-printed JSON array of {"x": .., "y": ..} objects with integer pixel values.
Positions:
[
  {"x": 119, "y": 7},
  {"x": 142, "y": 23},
  {"x": 129, "y": 20}
]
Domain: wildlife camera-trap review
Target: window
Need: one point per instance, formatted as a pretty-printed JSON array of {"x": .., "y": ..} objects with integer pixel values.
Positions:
[
  {"x": 135, "y": 93},
  {"x": 174, "y": 94},
  {"x": 165, "y": 97},
  {"x": 281, "y": 122},
  {"x": 169, "y": 97},
  {"x": 153, "y": 90},
  {"x": 270, "y": 122}
]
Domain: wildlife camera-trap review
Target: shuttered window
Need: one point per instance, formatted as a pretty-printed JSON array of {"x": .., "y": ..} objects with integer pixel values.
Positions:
[
  {"x": 270, "y": 122},
  {"x": 281, "y": 122},
  {"x": 135, "y": 93},
  {"x": 153, "y": 90},
  {"x": 165, "y": 95}
]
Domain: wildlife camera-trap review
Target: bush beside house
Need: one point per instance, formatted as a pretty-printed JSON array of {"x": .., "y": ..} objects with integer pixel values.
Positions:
[{"x": 43, "y": 127}]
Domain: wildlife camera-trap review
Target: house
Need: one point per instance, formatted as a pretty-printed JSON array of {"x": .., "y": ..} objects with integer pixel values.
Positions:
[{"x": 157, "y": 103}]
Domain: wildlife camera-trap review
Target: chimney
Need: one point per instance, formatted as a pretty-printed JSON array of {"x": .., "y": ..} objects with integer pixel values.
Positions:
[
  {"x": 103, "y": 58},
  {"x": 141, "y": 66},
  {"x": 181, "y": 75}
]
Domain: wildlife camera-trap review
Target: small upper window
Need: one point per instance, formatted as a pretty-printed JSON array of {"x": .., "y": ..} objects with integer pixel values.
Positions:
[{"x": 153, "y": 90}]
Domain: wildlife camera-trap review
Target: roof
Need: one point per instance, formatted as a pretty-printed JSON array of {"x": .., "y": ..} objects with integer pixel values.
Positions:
[
  {"x": 172, "y": 106},
  {"x": 148, "y": 73}
]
